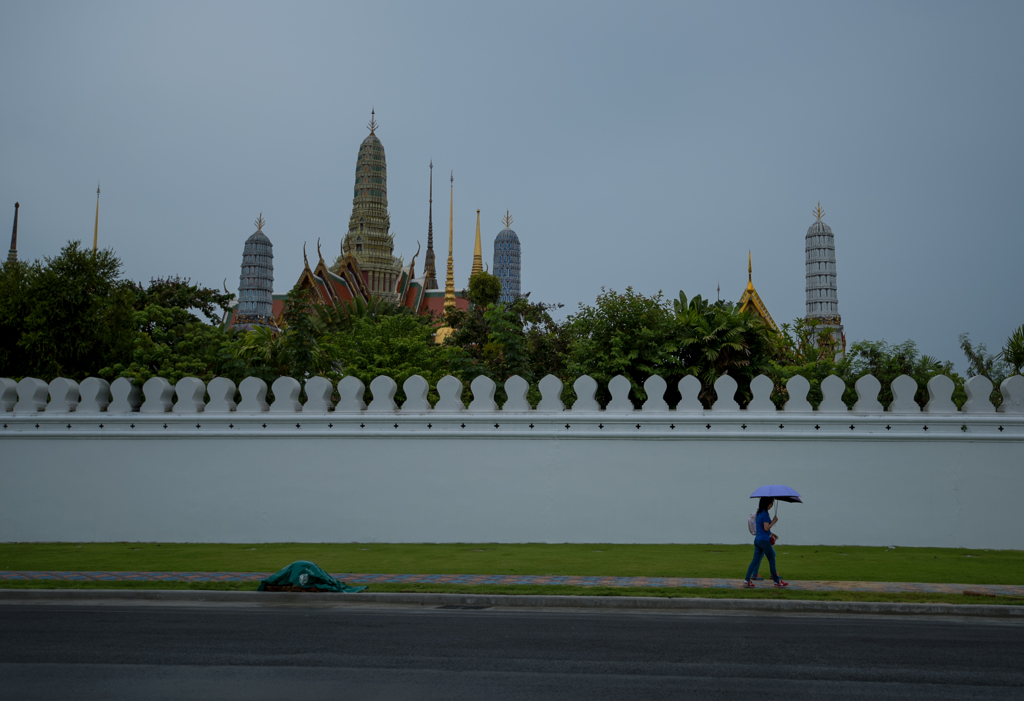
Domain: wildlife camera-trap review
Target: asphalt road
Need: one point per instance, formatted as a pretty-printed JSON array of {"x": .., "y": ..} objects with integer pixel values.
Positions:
[{"x": 150, "y": 651}]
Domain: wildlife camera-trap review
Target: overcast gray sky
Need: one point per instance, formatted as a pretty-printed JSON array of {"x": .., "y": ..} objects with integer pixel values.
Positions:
[{"x": 644, "y": 144}]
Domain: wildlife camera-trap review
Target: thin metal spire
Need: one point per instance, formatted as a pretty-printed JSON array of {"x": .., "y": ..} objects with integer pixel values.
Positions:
[
  {"x": 12, "y": 255},
  {"x": 96, "y": 225},
  {"x": 429, "y": 264}
]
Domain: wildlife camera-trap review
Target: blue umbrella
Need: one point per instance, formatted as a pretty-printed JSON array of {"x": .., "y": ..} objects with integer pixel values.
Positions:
[{"x": 778, "y": 492}]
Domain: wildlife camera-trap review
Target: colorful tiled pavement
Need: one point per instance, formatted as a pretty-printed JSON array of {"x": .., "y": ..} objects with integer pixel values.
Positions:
[{"x": 479, "y": 579}]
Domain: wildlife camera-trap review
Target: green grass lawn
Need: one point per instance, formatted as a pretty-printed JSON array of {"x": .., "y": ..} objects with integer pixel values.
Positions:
[
  {"x": 939, "y": 565},
  {"x": 766, "y": 592}
]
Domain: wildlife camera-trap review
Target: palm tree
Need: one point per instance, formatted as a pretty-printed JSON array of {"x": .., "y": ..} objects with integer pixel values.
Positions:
[
  {"x": 338, "y": 317},
  {"x": 1013, "y": 351},
  {"x": 717, "y": 339}
]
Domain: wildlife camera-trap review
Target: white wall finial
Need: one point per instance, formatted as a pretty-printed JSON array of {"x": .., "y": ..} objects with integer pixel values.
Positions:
[
  {"x": 516, "y": 388},
  {"x": 551, "y": 394},
  {"x": 725, "y": 390}
]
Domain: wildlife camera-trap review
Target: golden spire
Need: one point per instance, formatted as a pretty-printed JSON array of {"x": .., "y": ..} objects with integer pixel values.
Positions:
[
  {"x": 507, "y": 220},
  {"x": 96, "y": 226},
  {"x": 260, "y": 222},
  {"x": 818, "y": 211},
  {"x": 372, "y": 126},
  {"x": 449, "y": 283},
  {"x": 478, "y": 255},
  {"x": 751, "y": 301}
]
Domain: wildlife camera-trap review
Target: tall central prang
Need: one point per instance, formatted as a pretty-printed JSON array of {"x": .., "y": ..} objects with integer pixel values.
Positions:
[{"x": 369, "y": 236}]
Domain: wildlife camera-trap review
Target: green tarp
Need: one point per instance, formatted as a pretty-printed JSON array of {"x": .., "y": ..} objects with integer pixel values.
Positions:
[{"x": 302, "y": 574}]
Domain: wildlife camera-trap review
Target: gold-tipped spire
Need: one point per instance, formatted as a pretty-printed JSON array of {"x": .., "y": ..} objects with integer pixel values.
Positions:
[
  {"x": 260, "y": 221},
  {"x": 96, "y": 225},
  {"x": 449, "y": 283},
  {"x": 478, "y": 251},
  {"x": 751, "y": 301},
  {"x": 507, "y": 220},
  {"x": 372, "y": 126},
  {"x": 818, "y": 211},
  {"x": 444, "y": 331}
]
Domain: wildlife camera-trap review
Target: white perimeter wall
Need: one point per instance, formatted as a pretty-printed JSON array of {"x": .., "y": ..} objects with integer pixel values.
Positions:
[{"x": 338, "y": 478}]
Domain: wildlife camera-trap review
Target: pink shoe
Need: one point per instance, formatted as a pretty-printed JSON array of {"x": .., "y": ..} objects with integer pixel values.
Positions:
[
  {"x": 780, "y": 584},
  {"x": 747, "y": 584}
]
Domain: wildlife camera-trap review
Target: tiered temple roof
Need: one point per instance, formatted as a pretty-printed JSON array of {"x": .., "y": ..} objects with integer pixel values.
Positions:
[{"x": 750, "y": 301}]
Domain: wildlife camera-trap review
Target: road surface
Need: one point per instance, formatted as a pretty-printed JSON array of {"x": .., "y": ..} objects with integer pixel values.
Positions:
[{"x": 160, "y": 651}]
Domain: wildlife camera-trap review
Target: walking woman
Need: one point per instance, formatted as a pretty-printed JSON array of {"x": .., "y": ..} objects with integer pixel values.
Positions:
[{"x": 763, "y": 544}]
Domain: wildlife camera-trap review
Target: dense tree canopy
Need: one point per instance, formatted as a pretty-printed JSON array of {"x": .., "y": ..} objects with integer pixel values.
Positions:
[
  {"x": 74, "y": 316},
  {"x": 169, "y": 340},
  {"x": 484, "y": 289},
  {"x": 67, "y": 316}
]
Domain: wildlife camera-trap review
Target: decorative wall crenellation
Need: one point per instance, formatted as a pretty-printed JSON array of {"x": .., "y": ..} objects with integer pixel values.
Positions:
[{"x": 32, "y": 396}]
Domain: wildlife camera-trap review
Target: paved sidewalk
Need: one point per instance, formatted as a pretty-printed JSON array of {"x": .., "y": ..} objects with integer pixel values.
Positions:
[{"x": 497, "y": 579}]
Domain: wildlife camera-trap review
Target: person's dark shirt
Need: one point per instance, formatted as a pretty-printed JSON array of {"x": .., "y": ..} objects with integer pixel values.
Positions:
[{"x": 762, "y": 520}]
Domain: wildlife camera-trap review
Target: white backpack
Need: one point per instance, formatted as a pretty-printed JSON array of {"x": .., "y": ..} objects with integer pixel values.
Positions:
[{"x": 752, "y": 524}]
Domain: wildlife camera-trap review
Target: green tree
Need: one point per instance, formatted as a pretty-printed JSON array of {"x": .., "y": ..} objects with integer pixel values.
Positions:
[
  {"x": 625, "y": 334},
  {"x": 517, "y": 338},
  {"x": 66, "y": 317},
  {"x": 883, "y": 360},
  {"x": 171, "y": 341},
  {"x": 339, "y": 316},
  {"x": 718, "y": 339},
  {"x": 300, "y": 349},
  {"x": 804, "y": 348},
  {"x": 806, "y": 341},
  {"x": 179, "y": 293},
  {"x": 1013, "y": 351},
  {"x": 398, "y": 346},
  {"x": 484, "y": 289},
  {"x": 16, "y": 279},
  {"x": 887, "y": 362},
  {"x": 171, "y": 344},
  {"x": 981, "y": 362},
  {"x": 523, "y": 339}
]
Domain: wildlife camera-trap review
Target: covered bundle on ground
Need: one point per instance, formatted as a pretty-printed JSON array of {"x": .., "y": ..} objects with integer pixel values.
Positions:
[{"x": 303, "y": 575}]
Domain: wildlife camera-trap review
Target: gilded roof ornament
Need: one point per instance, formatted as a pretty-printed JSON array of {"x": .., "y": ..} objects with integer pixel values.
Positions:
[
  {"x": 372, "y": 126},
  {"x": 507, "y": 220},
  {"x": 260, "y": 221},
  {"x": 478, "y": 256},
  {"x": 751, "y": 301},
  {"x": 449, "y": 285},
  {"x": 818, "y": 211}
]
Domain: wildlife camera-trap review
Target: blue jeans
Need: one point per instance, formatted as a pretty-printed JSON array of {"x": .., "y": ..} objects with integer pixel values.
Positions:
[{"x": 762, "y": 548}]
